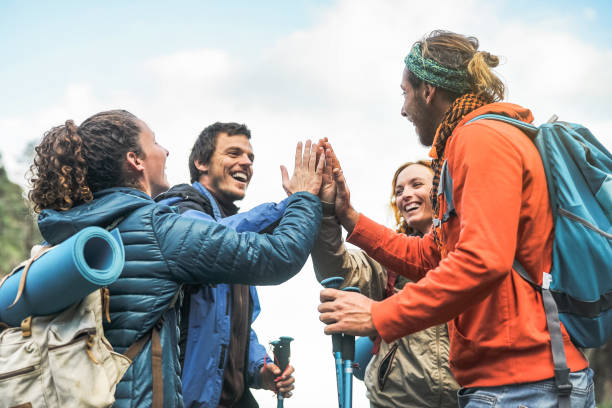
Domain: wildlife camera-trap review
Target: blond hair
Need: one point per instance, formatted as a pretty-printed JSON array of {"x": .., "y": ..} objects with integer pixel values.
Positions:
[{"x": 458, "y": 51}]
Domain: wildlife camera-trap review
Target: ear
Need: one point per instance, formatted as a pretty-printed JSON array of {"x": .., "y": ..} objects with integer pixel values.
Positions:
[
  {"x": 134, "y": 163},
  {"x": 202, "y": 167},
  {"x": 429, "y": 93}
]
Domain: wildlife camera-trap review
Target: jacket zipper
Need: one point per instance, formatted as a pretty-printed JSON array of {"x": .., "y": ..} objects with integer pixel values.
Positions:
[
  {"x": 584, "y": 222},
  {"x": 439, "y": 364},
  {"x": 15, "y": 373},
  {"x": 227, "y": 302},
  {"x": 222, "y": 357}
]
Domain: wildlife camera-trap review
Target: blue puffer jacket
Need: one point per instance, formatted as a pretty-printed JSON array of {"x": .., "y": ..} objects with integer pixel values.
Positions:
[
  {"x": 164, "y": 250},
  {"x": 210, "y": 308}
]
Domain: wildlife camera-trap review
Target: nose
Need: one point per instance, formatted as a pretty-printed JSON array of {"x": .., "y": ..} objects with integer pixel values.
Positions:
[
  {"x": 403, "y": 112},
  {"x": 246, "y": 160},
  {"x": 406, "y": 195}
]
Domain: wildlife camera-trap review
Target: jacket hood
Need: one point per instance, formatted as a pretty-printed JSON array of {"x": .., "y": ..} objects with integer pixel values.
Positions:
[
  {"x": 107, "y": 206},
  {"x": 189, "y": 196},
  {"x": 501, "y": 108}
]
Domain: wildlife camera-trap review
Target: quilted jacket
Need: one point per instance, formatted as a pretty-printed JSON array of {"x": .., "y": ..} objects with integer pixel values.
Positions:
[{"x": 164, "y": 250}]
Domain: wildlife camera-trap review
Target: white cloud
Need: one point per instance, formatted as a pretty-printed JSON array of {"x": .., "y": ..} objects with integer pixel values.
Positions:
[
  {"x": 196, "y": 65},
  {"x": 340, "y": 79}
]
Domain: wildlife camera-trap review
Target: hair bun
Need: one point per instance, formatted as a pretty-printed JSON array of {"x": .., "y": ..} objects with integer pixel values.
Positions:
[{"x": 490, "y": 60}]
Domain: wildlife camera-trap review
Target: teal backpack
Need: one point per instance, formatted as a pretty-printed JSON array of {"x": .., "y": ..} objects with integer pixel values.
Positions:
[{"x": 578, "y": 289}]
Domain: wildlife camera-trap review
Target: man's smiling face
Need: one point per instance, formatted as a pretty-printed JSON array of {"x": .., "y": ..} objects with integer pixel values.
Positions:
[{"x": 230, "y": 169}]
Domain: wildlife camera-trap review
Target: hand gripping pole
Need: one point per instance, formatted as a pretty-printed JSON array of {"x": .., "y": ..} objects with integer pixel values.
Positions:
[
  {"x": 282, "y": 351},
  {"x": 335, "y": 283},
  {"x": 348, "y": 355}
]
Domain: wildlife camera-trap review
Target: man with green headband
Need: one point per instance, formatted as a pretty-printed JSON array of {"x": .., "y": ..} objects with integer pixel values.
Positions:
[{"x": 496, "y": 210}]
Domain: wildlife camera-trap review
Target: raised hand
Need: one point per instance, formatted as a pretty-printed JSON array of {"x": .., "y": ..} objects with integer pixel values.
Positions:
[
  {"x": 328, "y": 185},
  {"x": 307, "y": 173},
  {"x": 344, "y": 210}
]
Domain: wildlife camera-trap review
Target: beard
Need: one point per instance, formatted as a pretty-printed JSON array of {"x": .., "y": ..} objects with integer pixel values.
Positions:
[{"x": 424, "y": 121}]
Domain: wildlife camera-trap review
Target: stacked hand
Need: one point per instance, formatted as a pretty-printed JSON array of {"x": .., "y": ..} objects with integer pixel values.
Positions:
[
  {"x": 318, "y": 171},
  {"x": 307, "y": 173},
  {"x": 334, "y": 188}
]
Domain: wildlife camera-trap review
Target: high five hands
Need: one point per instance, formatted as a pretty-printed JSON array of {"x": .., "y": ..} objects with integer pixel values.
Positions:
[{"x": 318, "y": 167}]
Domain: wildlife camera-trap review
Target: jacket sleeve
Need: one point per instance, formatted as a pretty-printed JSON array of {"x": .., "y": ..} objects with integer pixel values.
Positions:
[
  {"x": 410, "y": 256},
  {"x": 256, "y": 219},
  {"x": 257, "y": 352},
  {"x": 330, "y": 258},
  {"x": 197, "y": 251},
  {"x": 486, "y": 238}
]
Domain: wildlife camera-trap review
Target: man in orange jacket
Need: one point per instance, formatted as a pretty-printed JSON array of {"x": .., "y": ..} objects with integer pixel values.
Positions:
[{"x": 462, "y": 271}]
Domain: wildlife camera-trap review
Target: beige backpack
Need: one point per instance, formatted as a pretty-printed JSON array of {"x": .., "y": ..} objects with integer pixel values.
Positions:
[{"x": 62, "y": 360}]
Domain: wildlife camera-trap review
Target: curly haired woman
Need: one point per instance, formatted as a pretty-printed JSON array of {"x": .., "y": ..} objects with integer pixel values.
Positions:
[
  {"x": 104, "y": 172},
  {"x": 412, "y": 371}
]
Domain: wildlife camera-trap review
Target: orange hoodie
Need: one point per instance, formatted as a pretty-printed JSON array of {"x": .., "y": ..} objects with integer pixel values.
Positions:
[{"x": 498, "y": 329}]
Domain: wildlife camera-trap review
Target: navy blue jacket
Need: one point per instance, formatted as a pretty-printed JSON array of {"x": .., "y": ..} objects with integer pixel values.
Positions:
[{"x": 164, "y": 250}]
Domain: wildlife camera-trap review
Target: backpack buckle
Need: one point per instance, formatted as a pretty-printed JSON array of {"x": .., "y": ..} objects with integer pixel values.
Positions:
[{"x": 564, "y": 386}]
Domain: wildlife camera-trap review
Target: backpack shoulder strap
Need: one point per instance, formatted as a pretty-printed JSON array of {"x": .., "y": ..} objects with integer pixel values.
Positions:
[
  {"x": 553, "y": 323},
  {"x": 156, "y": 354},
  {"x": 445, "y": 187},
  {"x": 527, "y": 128}
]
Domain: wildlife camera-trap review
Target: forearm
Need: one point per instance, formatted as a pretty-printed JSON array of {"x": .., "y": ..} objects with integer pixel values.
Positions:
[
  {"x": 331, "y": 258},
  {"x": 211, "y": 253},
  {"x": 408, "y": 256}
]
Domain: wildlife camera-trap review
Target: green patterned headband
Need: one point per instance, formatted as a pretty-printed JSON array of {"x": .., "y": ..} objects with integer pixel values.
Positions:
[{"x": 430, "y": 71}]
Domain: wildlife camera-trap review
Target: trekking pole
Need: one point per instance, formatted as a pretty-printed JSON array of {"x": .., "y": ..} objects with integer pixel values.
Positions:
[
  {"x": 348, "y": 355},
  {"x": 335, "y": 283},
  {"x": 282, "y": 351}
]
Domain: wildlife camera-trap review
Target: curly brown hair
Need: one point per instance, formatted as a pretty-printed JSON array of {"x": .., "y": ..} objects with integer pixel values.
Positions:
[
  {"x": 72, "y": 163},
  {"x": 400, "y": 223}
]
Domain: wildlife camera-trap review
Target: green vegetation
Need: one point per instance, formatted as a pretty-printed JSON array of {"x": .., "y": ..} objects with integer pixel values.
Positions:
[{"x": 18, "y": 231}]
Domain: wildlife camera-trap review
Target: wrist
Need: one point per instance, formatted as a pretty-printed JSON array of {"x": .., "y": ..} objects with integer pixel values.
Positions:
[
  {"x": 328, "y": 208},
  {"x": 349, "y": 219}
]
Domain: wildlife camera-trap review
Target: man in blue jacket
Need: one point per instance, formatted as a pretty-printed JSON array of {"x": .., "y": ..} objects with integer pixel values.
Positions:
[{"x": 220, "y": 355}]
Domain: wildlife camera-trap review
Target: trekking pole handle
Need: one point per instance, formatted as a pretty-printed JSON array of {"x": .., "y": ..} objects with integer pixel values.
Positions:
[
  {"x": 282, "y": 351},
  {"x": 335, "y": 283},
  {"x": 348, "y": 355}
]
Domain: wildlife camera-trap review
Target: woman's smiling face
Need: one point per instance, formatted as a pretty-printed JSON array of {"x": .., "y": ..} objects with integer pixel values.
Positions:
[{"x": 412, "y": 189}]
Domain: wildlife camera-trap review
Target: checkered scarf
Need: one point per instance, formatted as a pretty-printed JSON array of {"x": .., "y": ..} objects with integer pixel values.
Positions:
[{"x": 460, "y": 107}]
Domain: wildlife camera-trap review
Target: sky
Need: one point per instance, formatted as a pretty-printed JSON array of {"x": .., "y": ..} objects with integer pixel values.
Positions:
[{"x": 290, "y": 71}]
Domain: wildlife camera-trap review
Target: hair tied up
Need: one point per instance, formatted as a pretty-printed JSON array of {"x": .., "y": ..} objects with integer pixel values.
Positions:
[
  {"x": 487, "y": 58},
  {"x": 59, "y": 170},
  {"x": 484, "y": 81}
]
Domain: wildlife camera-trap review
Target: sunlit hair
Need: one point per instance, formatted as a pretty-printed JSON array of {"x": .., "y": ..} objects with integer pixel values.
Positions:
[
  {"x": 73, "y": 162},
  {"x": 458, "y": 51},
  {"x": 400, "y": 222}
]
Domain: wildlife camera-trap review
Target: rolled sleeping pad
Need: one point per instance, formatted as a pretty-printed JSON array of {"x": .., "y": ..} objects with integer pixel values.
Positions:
[
  {"x": 363, "y": 355},
  {"x": 90, "y": 259}
]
